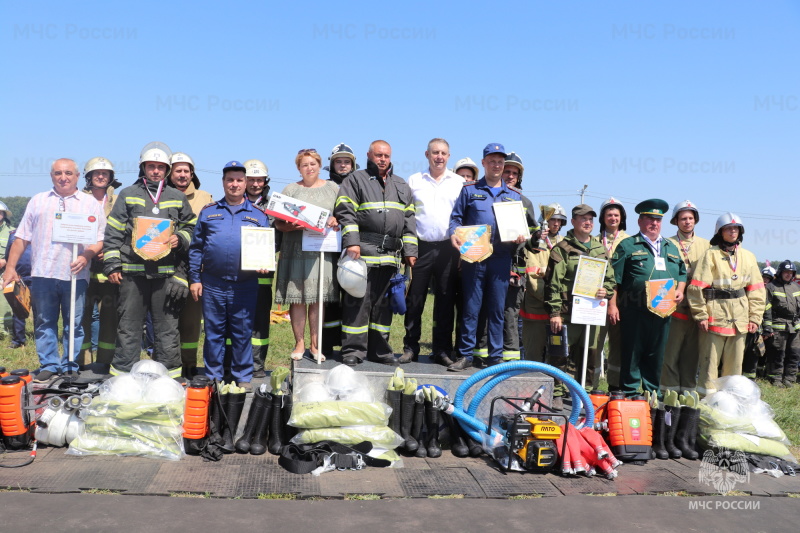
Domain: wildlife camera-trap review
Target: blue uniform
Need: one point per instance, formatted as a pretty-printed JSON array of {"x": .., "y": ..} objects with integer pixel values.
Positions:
[
  {"x": 484, "y": 284},
  {"x": 229, "y": 293}
]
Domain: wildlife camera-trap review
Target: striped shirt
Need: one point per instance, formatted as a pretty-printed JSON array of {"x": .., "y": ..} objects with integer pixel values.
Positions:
[{"x": 52, "y": 259}]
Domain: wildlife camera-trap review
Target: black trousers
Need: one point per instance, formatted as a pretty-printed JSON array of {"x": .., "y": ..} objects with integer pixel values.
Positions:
[
  {"x": 366, "y": 321},
  {"x": 436, "y": 266}
]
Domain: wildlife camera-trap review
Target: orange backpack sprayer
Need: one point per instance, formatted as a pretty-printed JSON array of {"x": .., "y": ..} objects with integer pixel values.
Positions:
[
  {"x": 16, "y": 422},
  {"x": 195, "y": 418},
  {"x": 23, "y": 374},
  {"x": 3, "y": 372},
  {"x": 630, "y": 429},
  {"x": 600, "y": 401}
]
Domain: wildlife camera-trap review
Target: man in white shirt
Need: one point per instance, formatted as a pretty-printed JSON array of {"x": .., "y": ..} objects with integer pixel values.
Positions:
[{"x": 435, "y": 191}]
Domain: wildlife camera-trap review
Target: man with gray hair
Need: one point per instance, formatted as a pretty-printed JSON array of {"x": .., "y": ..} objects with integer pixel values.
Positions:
[{"x": 53, "y": 266}]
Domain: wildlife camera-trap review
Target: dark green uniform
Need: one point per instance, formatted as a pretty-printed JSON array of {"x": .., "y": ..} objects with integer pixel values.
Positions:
[
  {"x": 644, "y": 334},
  {"x": 560, "y": 278}
]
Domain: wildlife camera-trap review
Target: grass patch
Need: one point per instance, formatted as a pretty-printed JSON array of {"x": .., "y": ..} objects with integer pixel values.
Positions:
[
  {"x": 525, "y": 497},
  {"x": 362, "y": 497},
  {"x": 736, "y": 493},
  {"x": 446, "y": 497},
  {"x": 793, "y": 494},
  {"x": 11, "y": 489},
  {"x": 784, "y": 402},
  {"x": 602, "y": 494},
  {"x": 678, "y": 493},
  {"x": 106, "y": 492},
  {"x": 190, "y": 495},
  {"x": 276, "y": 496}
]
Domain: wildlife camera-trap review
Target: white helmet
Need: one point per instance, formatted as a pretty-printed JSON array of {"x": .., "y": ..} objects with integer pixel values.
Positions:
[
  {"x": 5, "y": 209},
  {"x": 99, "y": 163},
  {"x": 729, "y": 219},
  {"x": 122, "y": 388},
  {"x": 468, "y": 163},
  {"x": 149, "y": 368},
  {"x": 352, "y": 275},
  {"x": 613, "y": 202},
  {"x": 180, "y": 157},
  {"x": 685, "y": 205},
  {"x": 557, "y": 210},
  {"x": 256, "y": 169},
  {"x": 154, "y": 151},
  {"x": 163, "y": 390}
]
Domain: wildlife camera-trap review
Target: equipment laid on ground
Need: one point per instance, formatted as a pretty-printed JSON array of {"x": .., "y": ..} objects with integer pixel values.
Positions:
[
  {"x": 15, "y": 418},
  {"x": 630, "y": 430},
  {"x": 195, "y": 416}
]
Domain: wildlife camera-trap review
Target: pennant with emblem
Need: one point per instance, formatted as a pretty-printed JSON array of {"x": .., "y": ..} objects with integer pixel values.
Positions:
[
  {"x": 150, "y": 239},
  {"x": 661, "y": 296}
]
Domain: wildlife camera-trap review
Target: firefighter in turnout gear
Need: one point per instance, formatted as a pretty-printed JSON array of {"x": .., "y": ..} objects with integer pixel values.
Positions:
[
  {"x": 681, "y": 354},
  {"x": 375, "y": 209},
  {"x": 151, "y": 276},
  {"x": 782, "y": 326},
  {"x": 727, "y": 300}
]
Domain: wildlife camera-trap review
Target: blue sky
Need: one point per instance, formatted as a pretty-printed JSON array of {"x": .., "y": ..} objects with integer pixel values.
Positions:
[{"x": 697, "y": 100}]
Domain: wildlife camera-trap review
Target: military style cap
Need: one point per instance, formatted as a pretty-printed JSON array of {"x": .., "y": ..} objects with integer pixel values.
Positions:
[
  {"x": 653, "y": 208},
  {"x": 234, "y": 165},
  {"x": 494, "y": 148},
  {"x": 583, "y": 209}
]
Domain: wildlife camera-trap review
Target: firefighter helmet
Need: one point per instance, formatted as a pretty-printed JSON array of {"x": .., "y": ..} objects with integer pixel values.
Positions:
[
  {"x": 154, "y": 151},
  {"x": 342, "y": 150},
  {"x": 467, "y": 163},
  {"x": 685, "y": 205},
  {"x": 100, "y": 163},
  {"x": 4, "y": 208},
  {"x": 254, "y": 168},
  {"x": 786, "y": 265},
  {"x": 180, "y": 157},
  {"x": 512, "y": 159},
  {"x": 612, "y": 202},
  {"x": 557, "y": 210},
  {"x": 768, "y": 271},
  {"x": 727, "y": 219}
]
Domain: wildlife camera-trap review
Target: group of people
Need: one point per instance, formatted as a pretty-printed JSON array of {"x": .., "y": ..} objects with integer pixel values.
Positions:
[{"x": 509, "y": 305}]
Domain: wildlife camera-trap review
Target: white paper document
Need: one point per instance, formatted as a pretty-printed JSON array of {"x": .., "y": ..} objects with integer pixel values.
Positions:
[
  {"x": 511, "y": 221},
  {"x": 591, "y": 311},
  {"x": 327, "y": 241},
  {"x": 258, "y": 248},
  {"x": 77, "y": 228}
]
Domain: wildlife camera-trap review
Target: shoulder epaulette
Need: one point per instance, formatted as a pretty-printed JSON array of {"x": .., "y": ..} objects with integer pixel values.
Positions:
[
  {"x": 209, "y": 205},
  {"x": 466, "y": 183},
  {"x": 514, "y": 189}
]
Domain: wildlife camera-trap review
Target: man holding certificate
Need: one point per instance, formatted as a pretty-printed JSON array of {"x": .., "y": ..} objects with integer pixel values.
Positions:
[
  {"x": 229, "y": 292},
  {"x": 563, "y": 277},
  {"x": 651, "y": 277}
]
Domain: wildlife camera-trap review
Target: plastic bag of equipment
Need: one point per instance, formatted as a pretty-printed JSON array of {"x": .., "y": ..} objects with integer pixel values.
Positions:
[
  {"x": 397, "y": 294},
  {"x": 338, "y": 414},
  {"x": 345, "y": 383},
  {"x": 379, "y": 436}
]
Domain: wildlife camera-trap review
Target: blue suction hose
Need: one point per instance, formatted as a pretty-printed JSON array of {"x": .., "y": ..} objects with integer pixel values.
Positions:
[{"x": 502, "y": 372}]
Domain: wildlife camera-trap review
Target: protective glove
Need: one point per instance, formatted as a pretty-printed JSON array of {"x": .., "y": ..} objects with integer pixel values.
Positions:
[{"x": 177, "y": 292}]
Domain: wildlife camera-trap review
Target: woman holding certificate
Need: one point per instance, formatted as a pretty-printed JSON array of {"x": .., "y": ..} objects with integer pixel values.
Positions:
[{"x": 297, "y": 280}]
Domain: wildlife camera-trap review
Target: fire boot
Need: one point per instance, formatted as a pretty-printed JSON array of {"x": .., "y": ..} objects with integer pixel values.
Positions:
[
  {"x": 475, "y": 447},
  {"x": 286, "y": 415},
  {"x": 233, "y": 412},
  {"x": 276, "y": 429},
  {"x": 219, "y": 404},
  {"x": 687, "y": 426},
  {"x": 259, "y": 443},
  {"x": 406, "y": 422},
  {"x": 672, "y": 414},
  {"x": 458, "y": 447},
  {"x": 394, "y": 399},
  {"x": 418, "y": 424},
  {"x": 253, "y": 417},
  {"x": 432, "y": 420},
  {"x": 659, "y": 452}
]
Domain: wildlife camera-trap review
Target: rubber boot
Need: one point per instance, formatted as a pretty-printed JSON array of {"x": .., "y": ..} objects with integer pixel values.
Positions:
[
  {"x": 669, "y": 430},
  {"x": 417, "y": 428},
  {"x": 687, "y": 425},
  {"x": 286, "y": 415},
  {"x": 219, "y": 403},
  {"x": 432, "y": 420},
  {"x": 394, "y": 398},
  {"x": 458, "y": 447},
  {"x": 253, "y": 417},
  {"x": 259, "y": 444},
  {"x": 406, "y": 422},
  {"x": 233, "y": 411},
  {"x": 659, "y": 452},
  {"x": 276, "y": 426},
  {"x": 475, "y": 447}
]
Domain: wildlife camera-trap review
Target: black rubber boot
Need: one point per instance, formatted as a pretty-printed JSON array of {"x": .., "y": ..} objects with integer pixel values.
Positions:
[
  {"x": 659, "y": 452},
  {"x": 417, "y": 428},
  {"x": 475, "y": 447},
  {"x": 669, "y": 430},
  {"x": 406, "y": 422},
  {"x": 259, "y": 444},
  {"x": 286, "y": 415},
  {"x": 432, "y": 420},
  {"x": 458, "y": 447},
  {"x": 233, "y": 411},
  {"x": 394, "y": 398},
  {"x": 276, "y": 427},
  {"x": 219, "y": 403},
  {"x": 686, "y": 427},
  {"x": 253, "y": 416}
]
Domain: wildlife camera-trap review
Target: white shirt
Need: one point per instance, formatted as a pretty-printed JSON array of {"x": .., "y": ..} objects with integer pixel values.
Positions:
[
  {"x": 433, "y": 202},
  {"x": 654, "y": 245}
]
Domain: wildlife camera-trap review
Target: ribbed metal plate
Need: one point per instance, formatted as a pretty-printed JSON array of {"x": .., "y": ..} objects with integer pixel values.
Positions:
[
  {"x": 495, "y": 484},
  {"x": 216, "y": 479},
  {"x": 382, "y": 481},
  {"x": 441, "y": 481},
  {"x": 257, "y": 479}
]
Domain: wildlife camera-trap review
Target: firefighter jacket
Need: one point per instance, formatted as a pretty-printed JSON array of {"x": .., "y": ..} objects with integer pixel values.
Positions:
[
  {"x": 197, "y": 199},
  {"x": 378, "y": 216},
  {"x": 782, "y": 311},
  {"x": 96, "y": 266},
  {"x": 561, "y": 269},
  {"x": 691, "y": 250},
  {"x": 727, "y": 298},
  {"x": 133, "y": 202},
  {"x": 535, "y": 269}
]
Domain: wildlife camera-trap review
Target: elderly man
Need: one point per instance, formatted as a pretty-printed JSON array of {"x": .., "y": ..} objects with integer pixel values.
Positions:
[
  {"x": 229, "y": 293},
  {"x": 484, "y": 284},
  {"x": 645, "y": 325},
  {"x": 146, "y": 242},
  {"x": 100, "y": 183},
  {"x": 560, "y": 276},
  {"x": 53, "y": 266},
  {"x": 183, "y": 177},
  {"x": 375, "y": 209},
  {"x": 435, "y": 191}
]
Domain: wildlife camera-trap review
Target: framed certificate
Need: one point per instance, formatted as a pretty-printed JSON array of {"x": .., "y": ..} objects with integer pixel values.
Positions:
[
  {"x": 511, "y": 222},
  {"x": 258, "y": 248},
  {"x": 589, "y": 276}
]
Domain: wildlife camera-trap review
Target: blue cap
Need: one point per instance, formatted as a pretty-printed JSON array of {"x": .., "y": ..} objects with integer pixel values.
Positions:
[
  {"x": 233, "y": 165},
  {"x": 494, "y": 148}
]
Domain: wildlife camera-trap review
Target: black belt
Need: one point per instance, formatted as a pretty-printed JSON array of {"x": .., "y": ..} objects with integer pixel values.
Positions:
[
  {"x": 722, "y": 294},
  {"x": 304, "y": 458},
  {"x": 383, "y": 242}
]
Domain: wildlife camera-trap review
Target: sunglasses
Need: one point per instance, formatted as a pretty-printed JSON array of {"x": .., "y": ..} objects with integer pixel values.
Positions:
[{"x": 311, "y": 150}]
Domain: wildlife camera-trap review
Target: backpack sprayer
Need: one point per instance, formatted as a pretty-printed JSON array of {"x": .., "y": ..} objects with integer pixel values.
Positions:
[{"x": 16, "y": 422}]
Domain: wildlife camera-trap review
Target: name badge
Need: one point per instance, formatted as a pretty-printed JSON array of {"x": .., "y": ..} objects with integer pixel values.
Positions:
[{"x": 661, "y": 264}]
